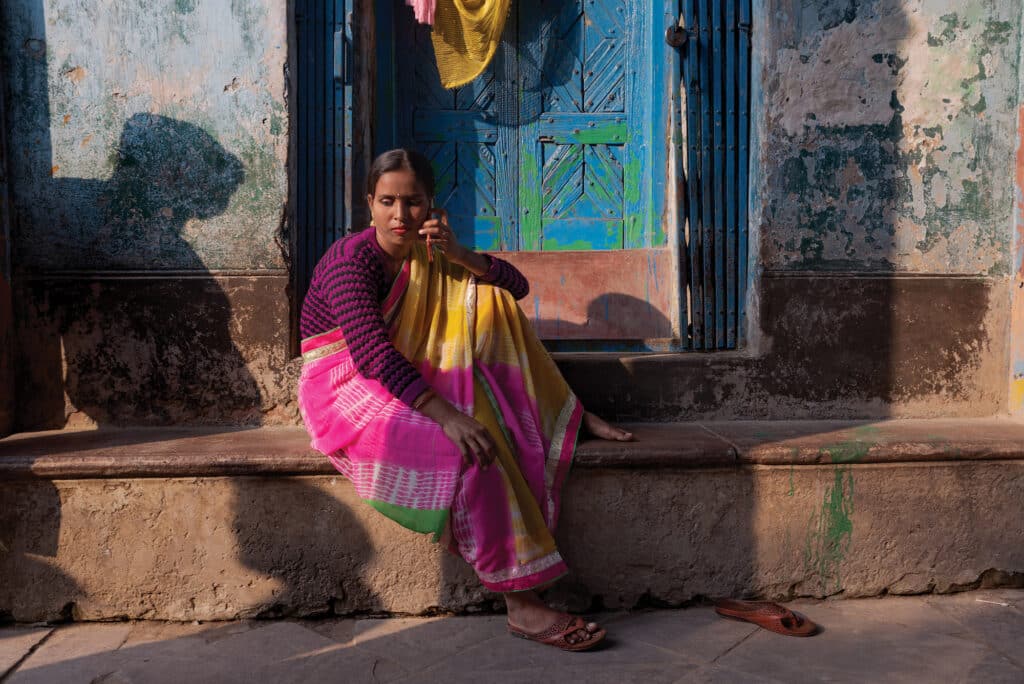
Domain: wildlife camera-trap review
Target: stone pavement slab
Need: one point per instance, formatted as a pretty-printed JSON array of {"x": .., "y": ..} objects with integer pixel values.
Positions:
[
  {"x": 79, "y": 653},
  {"x": 967, "y": 637},
  {"x": 17, "y": 643},
  {"x": 993, "y": 617},
  {"x": 881, "y": 640}
]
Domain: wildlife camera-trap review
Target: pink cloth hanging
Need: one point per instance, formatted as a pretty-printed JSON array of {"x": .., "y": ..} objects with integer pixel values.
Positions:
[{"x": 423, "y": 9}]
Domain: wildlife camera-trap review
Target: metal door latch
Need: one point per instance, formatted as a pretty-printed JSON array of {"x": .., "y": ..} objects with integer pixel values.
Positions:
[{"x": 676, "y": 36}]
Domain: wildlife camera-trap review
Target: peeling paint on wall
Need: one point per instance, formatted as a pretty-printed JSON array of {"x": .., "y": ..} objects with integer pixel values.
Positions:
[
  {"x": 890, "y": 128},
  {"x": 142, "y": 76}
]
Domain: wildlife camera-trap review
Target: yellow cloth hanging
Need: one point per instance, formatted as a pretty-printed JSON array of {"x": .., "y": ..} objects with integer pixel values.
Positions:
[{"x": 465, "y": 36}]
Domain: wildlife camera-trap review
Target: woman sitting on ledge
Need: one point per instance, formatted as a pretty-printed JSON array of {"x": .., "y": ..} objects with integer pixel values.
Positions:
[{"x": 425, "y": 385}]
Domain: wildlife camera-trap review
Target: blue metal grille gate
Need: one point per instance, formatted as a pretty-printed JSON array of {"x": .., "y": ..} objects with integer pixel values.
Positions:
[
  {"x": 716, "y": 74},
  {"x": 323, "y": 132}
]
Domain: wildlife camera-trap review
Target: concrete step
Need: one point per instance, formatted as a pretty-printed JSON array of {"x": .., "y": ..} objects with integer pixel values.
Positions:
[{"x": 214, "y": 523}]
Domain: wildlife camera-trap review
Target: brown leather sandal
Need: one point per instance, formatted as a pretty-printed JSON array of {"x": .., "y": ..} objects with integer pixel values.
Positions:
[
  {"x": 558, "y": 634},
  {"x": 768, "y": 615}
]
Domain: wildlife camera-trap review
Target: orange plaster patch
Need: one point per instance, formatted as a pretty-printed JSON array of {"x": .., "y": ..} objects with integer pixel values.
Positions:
[{"x": 75, "y": 74}]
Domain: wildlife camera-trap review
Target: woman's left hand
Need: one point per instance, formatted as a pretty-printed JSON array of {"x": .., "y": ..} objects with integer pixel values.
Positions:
[{"x": 441, "y": 235}]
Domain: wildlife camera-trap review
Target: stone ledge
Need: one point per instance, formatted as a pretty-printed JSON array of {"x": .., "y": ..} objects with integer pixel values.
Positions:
[
  {"x": 817, "y": 442},
  {"x": 218, "y": 452}
]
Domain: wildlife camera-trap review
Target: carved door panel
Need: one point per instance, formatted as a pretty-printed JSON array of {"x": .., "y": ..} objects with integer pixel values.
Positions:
[{"x": 557, "y": 157}]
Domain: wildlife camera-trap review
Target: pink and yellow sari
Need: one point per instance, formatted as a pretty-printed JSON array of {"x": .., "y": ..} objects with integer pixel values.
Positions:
[{"x": 475, "y": 347}]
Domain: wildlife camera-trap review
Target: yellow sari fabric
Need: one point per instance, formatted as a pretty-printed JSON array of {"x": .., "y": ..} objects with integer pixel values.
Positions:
[{"x": 465, "y": 36}]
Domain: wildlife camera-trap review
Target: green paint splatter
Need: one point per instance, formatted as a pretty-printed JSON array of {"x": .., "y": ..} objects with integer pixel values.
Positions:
[
  {"x": 185, "y": 6},
  {"x": 830, "y": 531},
  {"x": 847, "y": 452}
]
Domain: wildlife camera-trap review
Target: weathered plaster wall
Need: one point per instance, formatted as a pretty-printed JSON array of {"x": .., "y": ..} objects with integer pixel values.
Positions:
[
  {"x": 886, "y": 129},
  {"x": 890, "y": 129},
  {"x": 149, "y": 149},
  {"x": 147, "y": 135}
]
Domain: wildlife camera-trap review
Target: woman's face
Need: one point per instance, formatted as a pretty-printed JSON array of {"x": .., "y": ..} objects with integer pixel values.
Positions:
[{"x": 399, "y": 206}]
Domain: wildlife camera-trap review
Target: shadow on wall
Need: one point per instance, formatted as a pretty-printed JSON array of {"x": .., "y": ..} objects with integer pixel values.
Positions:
[
  {"x": 137, "y": 346},
  {"x": 607, "y": 321},
  {"x": 306, "y": 544}
]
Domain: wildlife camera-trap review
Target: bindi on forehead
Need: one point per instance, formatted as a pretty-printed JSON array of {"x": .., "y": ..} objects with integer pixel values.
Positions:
[{"x": 398, "y": 195}]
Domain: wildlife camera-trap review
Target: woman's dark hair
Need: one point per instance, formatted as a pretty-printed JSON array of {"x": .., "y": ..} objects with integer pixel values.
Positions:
[{"x": 395, "y": 160}]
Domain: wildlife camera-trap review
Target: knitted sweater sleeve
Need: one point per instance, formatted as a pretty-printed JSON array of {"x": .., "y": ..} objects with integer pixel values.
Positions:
[
  {"x": 506, "y": 276},
  {"x": 352, "y": 286}
]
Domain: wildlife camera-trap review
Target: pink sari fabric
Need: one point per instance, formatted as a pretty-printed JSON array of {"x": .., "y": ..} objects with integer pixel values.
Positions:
[
  {"x": 474, "y": 347},
  {"x": 423, "y": 10}
]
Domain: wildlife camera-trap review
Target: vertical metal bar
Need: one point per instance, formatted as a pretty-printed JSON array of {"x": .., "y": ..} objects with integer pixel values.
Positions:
[
  {"x": 408, "y": 34},
  {"x": 718, "y": 201},
  {"x": 744, "y": 145},
  {"x": 346, "y": 142},
  {"x": 732, "y": 197},
  {"x": 324, "y": 77},
  {"x": 315, "y": 183},
  {"x": 707, "y": 170},
  {"x": 693, "y": 252},
  {"x": 330, "y": 86},
  {"x": 384, "y": 135},
  {"x": 301, "y": 229}
]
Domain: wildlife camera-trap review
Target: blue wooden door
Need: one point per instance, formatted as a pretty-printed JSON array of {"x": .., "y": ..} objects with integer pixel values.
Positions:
[{"x": 557, "y": 156}]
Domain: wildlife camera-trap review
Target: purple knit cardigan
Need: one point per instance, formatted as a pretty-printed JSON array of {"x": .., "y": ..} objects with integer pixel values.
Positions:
[{"x": 349, "y": 285}]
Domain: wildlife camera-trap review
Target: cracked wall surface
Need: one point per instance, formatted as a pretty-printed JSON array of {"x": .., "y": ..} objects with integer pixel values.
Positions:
[{"x": 890, "y": 128}]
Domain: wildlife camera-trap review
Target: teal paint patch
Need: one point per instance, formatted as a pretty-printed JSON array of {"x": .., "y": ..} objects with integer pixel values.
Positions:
[
  {"x": 997, "y": 32},
  {"x": 185, "y": 6},
  {"x": 950, "y": 24},
  {"x": 830, "y": 532},
  {"x": 250, "y": 15}
]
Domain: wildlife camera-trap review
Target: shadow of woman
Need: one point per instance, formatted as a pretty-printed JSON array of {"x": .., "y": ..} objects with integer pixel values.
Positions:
[
  {"x": 115, "y": 336},
  {"x": 146, "y": 340}
]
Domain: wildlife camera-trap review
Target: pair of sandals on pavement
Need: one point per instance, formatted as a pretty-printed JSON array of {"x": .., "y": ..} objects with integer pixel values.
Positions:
[{"x": 572, "y": 633}]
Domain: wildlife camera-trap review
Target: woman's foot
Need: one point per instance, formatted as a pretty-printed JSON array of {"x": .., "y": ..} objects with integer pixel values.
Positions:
[
  {"x": 531, "y": 618},
  {"x": 602, "y": 429}
]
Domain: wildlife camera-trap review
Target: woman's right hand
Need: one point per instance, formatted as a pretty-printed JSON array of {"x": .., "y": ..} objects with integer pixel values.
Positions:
[
  {"x": 471, "y": 437},
  {"x": 467, "y": 433}
]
